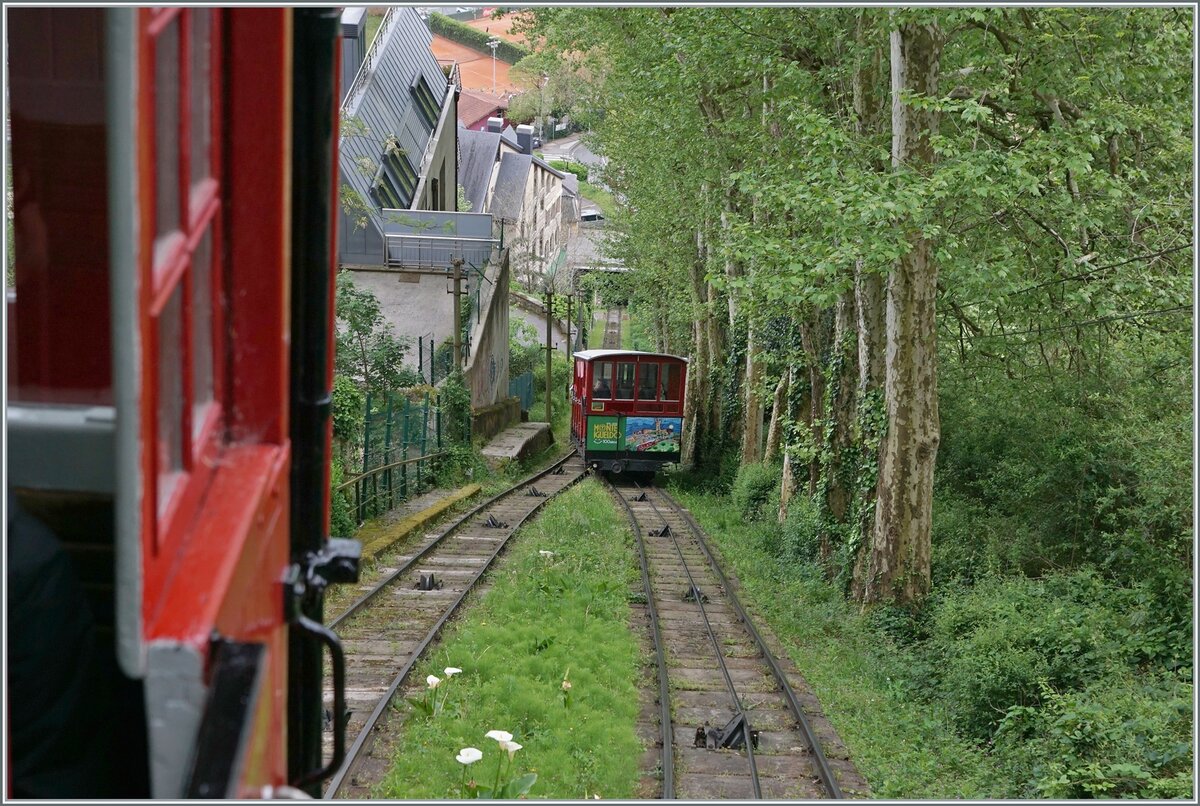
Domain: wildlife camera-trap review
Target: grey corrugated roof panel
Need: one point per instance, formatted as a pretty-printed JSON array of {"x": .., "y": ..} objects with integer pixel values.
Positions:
[
  {"x": 477, "y": 157},
  {"x": 385, "y": 104},
  {"x": 509, "y": 195}
]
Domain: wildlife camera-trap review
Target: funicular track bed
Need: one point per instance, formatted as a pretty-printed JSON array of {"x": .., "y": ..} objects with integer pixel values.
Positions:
[
  {"x": 717, "y": 670},
  {"x": 612, "y": 329},
  {"x": 385, "y": 631}
]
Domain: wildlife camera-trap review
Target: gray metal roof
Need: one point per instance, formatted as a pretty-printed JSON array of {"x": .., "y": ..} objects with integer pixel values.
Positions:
[
  {"x": 477, "y": 156},
  {"x": 385, "y": 103},
  {"x": 508, "y": 197}
]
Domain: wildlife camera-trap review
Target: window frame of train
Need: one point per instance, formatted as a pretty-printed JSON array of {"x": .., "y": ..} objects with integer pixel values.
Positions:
[{"x": 182, "y": 269}]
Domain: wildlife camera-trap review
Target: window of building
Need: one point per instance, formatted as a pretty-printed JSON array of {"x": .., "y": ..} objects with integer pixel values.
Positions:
[
  {"x": 424, "y": 100},
  {"x": 398, "y": 171}
]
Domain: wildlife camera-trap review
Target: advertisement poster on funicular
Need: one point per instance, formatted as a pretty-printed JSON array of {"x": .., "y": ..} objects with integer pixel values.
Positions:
[
  {"x": 653, "y": 434},
  {"x": 603, "y": 434}
]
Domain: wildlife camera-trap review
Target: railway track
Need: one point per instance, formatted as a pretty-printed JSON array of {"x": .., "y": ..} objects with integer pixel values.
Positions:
[
  {"x": 731, "y": 723},
  {"x": 612, "y": 329},
  {"x": 386, "y": 630}
]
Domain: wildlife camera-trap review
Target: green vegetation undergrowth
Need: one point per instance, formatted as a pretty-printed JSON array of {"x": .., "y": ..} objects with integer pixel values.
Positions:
[
  {"x": 903, "y": 746},
  {"x": 603, "y": 199},
  {"x": 558, "y": 613},
  {"x": 1064, "y": 686}
]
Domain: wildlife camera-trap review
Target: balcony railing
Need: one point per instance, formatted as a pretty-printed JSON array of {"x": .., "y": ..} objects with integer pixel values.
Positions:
[
  {"x": 368, "y": 62},
  {"x": 433, "y": 240}
]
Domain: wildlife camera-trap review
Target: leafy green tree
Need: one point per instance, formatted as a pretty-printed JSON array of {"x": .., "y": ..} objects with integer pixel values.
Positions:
[{"x": 368, "y": 351}]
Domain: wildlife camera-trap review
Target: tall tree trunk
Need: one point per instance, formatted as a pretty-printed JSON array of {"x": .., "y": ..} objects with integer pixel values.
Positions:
[
  {"x": 898, "y": 568},
  {"x": 752, "y": 410},
  {"x": 696, "y": 393},
  {"x": 775, "y": 430},
  {"x": 839, "y": 491},
  {"x": 812, "y": 339},
  {"x": 787, "y": 484}
]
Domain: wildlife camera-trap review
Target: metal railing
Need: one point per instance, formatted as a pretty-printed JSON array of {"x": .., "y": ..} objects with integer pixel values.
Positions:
[
  {"x": 435, "y": 252},
  {"x": 368, "y": 62},
  {"x": 401, "y": 442}
]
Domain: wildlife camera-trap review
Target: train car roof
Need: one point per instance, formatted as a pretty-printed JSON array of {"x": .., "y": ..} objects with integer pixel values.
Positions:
[{"x": 592, "y": 355}]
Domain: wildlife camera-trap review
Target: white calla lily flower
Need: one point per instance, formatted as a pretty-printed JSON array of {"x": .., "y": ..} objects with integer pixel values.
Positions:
[
  {"x": 433, "y": 682},
  {"x": 468, "y": 755},
  {"x": 452, "y": 670},
  {"x": 501, "y": 736},
  {"x": 511, "y": 747}
]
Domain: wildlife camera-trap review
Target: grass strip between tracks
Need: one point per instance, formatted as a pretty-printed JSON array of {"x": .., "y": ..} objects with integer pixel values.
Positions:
[{"x": 546, "y": 619}]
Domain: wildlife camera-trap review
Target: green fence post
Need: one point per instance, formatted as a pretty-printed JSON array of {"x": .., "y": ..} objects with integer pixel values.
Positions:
[
  {"x": 361, "y": 487},
  {"x": 387, "y": 452},
  {"x": 404, "y": 453},
  {"x": 438, "y": 415},
  {"x": 424, "y": 436}
]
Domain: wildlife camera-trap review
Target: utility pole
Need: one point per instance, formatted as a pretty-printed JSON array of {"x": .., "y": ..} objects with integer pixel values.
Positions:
[
  {"x": 456, "y": 266},
  {"x": 549, "y": 347},
  {"x": 493, "y": 43},
  {"x": 570, "y": 346}
]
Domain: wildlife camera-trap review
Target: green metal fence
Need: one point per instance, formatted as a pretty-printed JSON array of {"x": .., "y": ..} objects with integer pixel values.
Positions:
[
  {"x": 402, "y": 440},
  {"x": 522, "y": 387}
]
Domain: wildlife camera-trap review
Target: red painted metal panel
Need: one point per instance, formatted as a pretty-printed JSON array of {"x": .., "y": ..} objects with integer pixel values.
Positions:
[{"x": 257, "y": 172}]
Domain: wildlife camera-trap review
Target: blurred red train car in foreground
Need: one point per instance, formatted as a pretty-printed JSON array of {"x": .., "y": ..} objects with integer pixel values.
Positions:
[{"x": 169, "y": 366}]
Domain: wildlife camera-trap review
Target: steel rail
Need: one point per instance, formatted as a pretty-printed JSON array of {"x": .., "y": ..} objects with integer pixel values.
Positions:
[
  {"x": 823, "y": 768},
  {"x": 362, "y": 601},
  {"x": 360, "y": 741},
  {"x": 664, "y": 687},
  {"x": 712, "y": 636}
]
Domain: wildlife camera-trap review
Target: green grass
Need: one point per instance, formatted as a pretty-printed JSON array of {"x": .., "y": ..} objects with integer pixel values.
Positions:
[
  {"x": 374, "y": 20},
  {"x": 603, "y": 199},
  {"x": 903, "y": 746},
  {"x": 545, "y": 619}
]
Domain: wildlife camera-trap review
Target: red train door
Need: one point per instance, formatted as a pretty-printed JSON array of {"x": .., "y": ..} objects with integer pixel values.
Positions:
[{"x": 210, "y": 304}]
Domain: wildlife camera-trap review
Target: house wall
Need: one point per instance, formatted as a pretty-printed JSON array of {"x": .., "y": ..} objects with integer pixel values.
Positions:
[
  {"x": 487, "y": 369},
  {"x": 360, "y": 246},
  {"x": 532, "y": 314},
  {"x": 541, "y": 214},
  {"x": 414, "y": 304}
]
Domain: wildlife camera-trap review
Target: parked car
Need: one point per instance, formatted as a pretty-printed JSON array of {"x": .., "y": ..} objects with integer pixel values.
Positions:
[{"x": 537, "y": 141}]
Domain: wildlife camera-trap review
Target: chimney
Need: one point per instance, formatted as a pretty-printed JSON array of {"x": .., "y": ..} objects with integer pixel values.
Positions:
[
  {"x": 354, "y": 45},
  {"x": 525, "y": 138},
  {"x": 495, "y": 124}
]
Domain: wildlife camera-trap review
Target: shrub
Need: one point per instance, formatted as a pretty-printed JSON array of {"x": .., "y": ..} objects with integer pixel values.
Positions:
[
  {"x": 993, "y": 646},
  {"x": 578, "y": 168},
  {"x": 474, "y": 38},
  {"x": 341, "y": 521},
  {"x": 802, "y": 530},
  {"x": 754, "y": 487},
  {"x": 1127, "y": 736}
]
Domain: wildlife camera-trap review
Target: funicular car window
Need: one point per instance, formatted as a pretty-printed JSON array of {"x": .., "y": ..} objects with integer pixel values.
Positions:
[
  {"x": 647, "y": 387},
  {"x": 625, "y": 380},
  {"x": 602, "y": 380},
  {"x": 670, "y": 382},
  {"x": 186, "y": 266}
]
